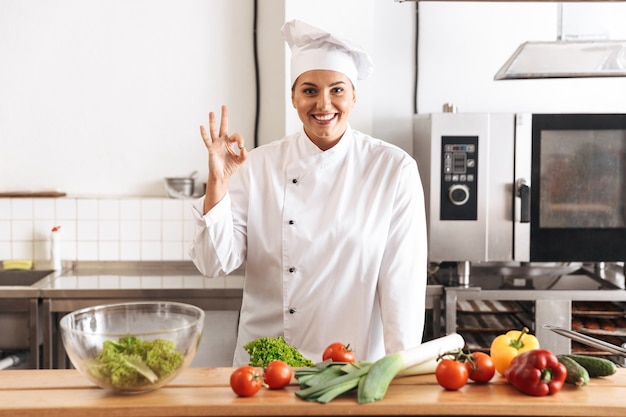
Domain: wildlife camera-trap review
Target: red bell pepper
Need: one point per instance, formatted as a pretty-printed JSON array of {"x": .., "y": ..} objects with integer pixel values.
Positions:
[{"x": 536, "y": 372}]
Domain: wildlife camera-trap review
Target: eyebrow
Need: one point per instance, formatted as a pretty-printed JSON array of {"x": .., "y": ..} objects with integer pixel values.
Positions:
[{"x": 315, "y": 85}]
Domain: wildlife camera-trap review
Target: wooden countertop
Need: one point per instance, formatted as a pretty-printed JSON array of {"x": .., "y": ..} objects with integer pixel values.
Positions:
[{"x": 205, "y": 392}]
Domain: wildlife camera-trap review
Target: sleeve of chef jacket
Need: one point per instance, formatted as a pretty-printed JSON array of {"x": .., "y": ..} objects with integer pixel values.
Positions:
[
  {"x": 218, "y": 248},
  {"x": 403, "y": 276}
]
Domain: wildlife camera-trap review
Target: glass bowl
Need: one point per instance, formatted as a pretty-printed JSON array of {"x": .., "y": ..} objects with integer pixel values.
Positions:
[{"x": 132, "y": 347}]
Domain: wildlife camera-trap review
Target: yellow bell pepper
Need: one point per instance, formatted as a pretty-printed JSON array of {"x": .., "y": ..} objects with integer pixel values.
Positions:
[{"x": 507, "y": 346}]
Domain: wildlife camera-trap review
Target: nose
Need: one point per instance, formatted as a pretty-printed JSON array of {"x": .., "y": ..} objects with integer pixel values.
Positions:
[{"x": 323, "y": 100}]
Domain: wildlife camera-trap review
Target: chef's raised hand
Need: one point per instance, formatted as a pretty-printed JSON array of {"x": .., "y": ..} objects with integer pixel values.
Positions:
[{"x": 226, "y": 154}]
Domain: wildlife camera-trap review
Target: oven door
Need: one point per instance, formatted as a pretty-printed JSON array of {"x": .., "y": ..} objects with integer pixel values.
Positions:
[{"x": 577, "y": 187}]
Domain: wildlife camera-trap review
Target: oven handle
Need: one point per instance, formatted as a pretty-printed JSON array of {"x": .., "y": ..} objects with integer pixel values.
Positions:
[{"x": 523, "y": 192}]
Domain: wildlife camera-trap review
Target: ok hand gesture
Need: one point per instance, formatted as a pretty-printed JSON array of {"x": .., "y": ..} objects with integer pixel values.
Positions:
[{"x": 226, "y": 154}]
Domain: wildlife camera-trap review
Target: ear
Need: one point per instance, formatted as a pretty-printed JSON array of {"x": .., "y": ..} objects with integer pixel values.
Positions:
[
  {"x": 353, "y": 97},
  {"x": 293, "y": 101}
]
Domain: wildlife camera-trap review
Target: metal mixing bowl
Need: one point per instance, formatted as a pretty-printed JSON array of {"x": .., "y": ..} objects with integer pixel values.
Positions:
[
  {"x": 179, "y": 187},
  {"x": 108, "y": 344}
]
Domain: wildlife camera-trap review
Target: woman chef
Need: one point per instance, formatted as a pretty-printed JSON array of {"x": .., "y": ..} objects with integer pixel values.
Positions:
[{"x": 329, "y": 220}]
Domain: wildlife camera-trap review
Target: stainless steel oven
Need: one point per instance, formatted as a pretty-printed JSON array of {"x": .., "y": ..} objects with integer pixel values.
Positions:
[{"x": 523, "y": 187}]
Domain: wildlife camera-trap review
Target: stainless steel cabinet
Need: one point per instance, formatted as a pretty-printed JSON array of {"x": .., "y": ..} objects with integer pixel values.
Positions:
[
  {"x": 552, "y": 307},
  {"x": 19, "y": 318}
]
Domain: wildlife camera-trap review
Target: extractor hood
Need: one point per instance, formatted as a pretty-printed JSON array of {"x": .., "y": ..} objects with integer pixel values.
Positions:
[
  {"x": 584, "y": 46},
  {"x": 566, "y": 59}
]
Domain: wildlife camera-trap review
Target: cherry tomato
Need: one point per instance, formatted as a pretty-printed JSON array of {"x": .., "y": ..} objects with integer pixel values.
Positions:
[
  {"x": 246, "y": 381},
  {"x": 480, "y": 367},
  {"x": 277, "y": 374},
  {"x": 338, "y": 352},
  {"x": 451, "y": 374}
]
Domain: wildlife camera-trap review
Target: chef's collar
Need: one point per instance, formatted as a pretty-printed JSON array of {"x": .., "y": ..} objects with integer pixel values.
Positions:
[
  {"x": 315, "y": 49},
  {"x": 340, "y": 147}
]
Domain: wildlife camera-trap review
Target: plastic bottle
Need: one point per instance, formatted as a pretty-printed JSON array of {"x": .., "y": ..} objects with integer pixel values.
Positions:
[{"x": 55, "y": 248}]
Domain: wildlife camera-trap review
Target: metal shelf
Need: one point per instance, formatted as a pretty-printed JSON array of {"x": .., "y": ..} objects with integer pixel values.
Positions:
[{"x": 552, "y": 307}]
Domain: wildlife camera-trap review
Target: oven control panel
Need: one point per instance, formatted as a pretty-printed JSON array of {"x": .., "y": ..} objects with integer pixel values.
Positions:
[{"x": 459, "y": 177}]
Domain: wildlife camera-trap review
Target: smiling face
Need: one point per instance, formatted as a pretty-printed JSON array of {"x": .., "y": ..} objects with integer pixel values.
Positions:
[{"x": 323, "y": 100}]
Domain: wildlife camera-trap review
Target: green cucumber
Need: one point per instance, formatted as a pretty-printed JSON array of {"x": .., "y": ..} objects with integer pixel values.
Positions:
[
  {"x": 576, "y": 373},
  {"x": 596, "y": 367}
]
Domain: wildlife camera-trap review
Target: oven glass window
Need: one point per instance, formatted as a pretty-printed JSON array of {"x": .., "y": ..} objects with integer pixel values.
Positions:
[{"x": 582, "y": 179}]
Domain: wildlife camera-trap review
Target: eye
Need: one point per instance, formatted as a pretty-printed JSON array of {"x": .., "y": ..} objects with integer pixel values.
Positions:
[
  {"x": 309, "y": 91},
  {"x": 337, "y": 90}
]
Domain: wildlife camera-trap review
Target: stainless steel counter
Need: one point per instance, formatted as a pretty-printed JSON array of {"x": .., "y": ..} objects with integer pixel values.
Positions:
[
  {"x": 141, "y": 280},
  {"x": 86, "y": 284},
  {"x": 90, "y": 284}
]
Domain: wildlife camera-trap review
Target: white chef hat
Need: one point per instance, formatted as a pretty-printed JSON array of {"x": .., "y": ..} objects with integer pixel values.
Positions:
[{"x": 316, "y": 49}]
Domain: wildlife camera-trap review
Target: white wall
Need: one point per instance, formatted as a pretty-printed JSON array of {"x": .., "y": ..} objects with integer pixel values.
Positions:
[
  {"x": 393, "y": 81},
  {"x": 104, "y": 97}
]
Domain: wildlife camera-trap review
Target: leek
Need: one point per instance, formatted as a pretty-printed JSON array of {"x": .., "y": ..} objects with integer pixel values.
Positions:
[{"x": 384, "y": 370}]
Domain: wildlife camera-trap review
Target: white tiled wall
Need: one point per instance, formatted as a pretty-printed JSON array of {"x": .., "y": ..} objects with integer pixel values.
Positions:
[{"x": 96, "y": 229}]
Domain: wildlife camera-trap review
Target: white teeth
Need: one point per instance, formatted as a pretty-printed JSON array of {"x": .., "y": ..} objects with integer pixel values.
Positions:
[{"x": 325, "y": 117}]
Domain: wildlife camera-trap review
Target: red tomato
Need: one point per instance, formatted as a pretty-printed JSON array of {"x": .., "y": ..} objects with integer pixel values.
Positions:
[
  {"x": 246, "y": 381},
  {"x": 451, "y": 374},
  {"x": 338, "y": 352},
  {"x": 480, "y": 367},
  {"x": 277, "y": 374}
]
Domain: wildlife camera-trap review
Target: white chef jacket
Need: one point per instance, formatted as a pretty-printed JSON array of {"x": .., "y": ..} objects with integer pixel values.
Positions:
[{"x": 334, "y": 243}]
